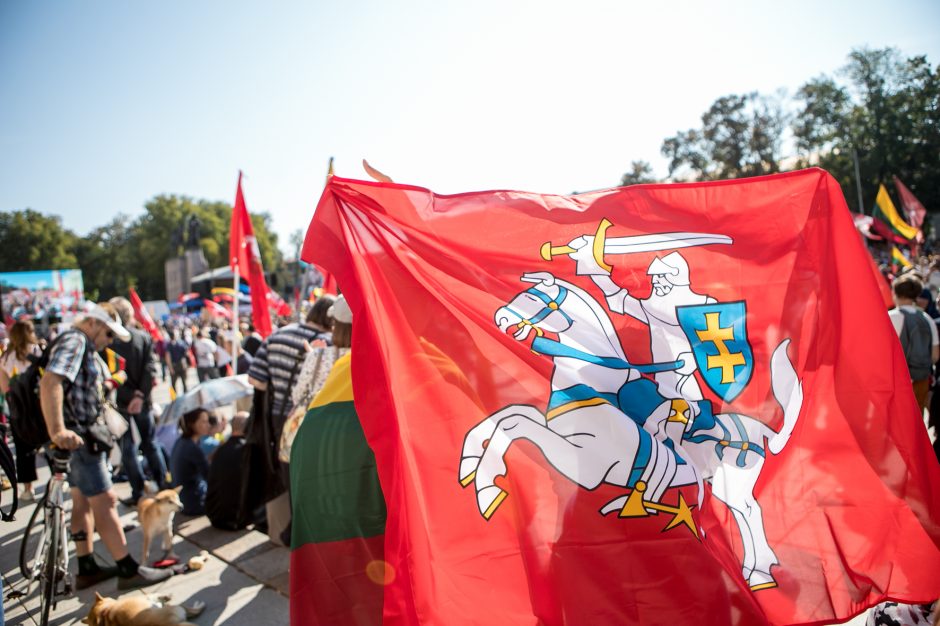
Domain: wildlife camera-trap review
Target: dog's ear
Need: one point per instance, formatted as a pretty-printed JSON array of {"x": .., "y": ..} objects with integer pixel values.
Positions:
[
  {"x": 178, "y": 489},
  {"x": 98, "y": 597}
]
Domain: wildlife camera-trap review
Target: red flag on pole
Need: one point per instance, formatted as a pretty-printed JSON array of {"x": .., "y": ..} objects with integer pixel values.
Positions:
[
  {"x": 914, "y": 211},
  {"x": 245, "y": 257},
  {"x": 143, "y": 316},
  {"x": 216, "y": 310},
  {"x": 277, "y": 303},
  {"x": 544, "y": 379}
]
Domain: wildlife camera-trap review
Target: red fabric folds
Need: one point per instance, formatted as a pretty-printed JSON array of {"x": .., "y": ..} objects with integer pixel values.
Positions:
[
  {"x": 850, "y": 500},
  {"x": 245, "y": 257},
  {"x": 143, "y": 316}
]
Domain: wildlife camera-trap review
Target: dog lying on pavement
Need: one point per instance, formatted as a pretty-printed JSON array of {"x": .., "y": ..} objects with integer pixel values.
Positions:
[{"x": 140, "y": 611}]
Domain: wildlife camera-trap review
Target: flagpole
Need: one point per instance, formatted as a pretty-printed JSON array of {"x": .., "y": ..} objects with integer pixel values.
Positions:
[{"x": 235, "y": 322}]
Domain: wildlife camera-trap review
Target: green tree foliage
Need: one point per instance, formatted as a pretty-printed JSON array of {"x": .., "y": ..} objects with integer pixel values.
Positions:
[
  {"x": 30, "y": 240},
  {"x": 640, "y": 172},
  {"x": 106, "y": 260},
  {"x": 887, "y": 111},
  {"x": 741, "y": 135},
  {"x": 153, "y": 236},
  {"x": 126, "y": 252}
]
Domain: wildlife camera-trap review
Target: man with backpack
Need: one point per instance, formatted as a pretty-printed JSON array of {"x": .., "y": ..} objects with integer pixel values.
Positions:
[
  {"x": 71, "y": 393},
  {"x": 917, "y": 332}
]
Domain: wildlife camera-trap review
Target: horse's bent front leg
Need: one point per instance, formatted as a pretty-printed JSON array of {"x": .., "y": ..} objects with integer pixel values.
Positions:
[
  {"x": 476, "y": 440},
  {"x": 567, "y": 455}
]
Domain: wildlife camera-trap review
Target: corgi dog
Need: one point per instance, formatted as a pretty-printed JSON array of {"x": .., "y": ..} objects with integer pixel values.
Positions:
[
  {"x": 139, "y": 611},
  {"x": 156, "y": 518}
]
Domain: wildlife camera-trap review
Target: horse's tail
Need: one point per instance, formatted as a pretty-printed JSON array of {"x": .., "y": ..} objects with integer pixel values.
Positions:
[{"x": 788, "y": 390}]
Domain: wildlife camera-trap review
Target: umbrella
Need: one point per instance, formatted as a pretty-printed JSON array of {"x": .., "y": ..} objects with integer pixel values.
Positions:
[{"x": 208, "y": 395}]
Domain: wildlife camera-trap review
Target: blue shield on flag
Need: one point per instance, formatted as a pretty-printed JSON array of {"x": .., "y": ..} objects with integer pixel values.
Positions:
[{"x": 718, "y": 335}]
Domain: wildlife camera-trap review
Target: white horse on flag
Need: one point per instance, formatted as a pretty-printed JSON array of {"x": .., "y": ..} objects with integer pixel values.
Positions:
[{"x": 606, "y": 423}]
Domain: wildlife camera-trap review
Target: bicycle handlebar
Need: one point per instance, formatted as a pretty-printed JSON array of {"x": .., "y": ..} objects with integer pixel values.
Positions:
[{"x": 58, "y": 459}]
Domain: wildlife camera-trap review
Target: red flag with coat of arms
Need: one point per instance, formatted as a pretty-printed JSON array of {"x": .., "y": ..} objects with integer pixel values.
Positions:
[
  {"x": 675, "y": 404},
  {"x": 245, "y": 257}
]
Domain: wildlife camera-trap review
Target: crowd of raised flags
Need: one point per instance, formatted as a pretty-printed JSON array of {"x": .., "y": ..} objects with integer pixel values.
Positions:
[{"x": 895, "y": 230}]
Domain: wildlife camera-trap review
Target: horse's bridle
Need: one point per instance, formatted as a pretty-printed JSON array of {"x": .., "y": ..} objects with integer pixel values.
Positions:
[{"x": 552, "y": 305}]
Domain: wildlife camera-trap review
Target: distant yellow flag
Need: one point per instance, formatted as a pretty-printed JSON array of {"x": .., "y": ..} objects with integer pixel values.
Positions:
[
  {"x": 899, "y": 257},
  {"x": 890, "y": 215}
]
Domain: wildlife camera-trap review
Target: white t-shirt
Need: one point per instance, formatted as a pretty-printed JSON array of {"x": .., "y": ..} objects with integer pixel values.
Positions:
[
  {"x": 205, "y": 352},
  {"x": 897, "y": 318},
  {"x": 12, "y": 365}
]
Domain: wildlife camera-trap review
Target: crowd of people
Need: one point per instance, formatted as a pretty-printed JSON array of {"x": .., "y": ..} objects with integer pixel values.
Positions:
[
  {"x": 106, "y": 358},
  {"x": 238, "y": 472}
]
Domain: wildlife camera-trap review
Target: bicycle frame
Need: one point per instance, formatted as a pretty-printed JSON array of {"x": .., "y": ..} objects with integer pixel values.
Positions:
[{"x": 50, "y": 563}]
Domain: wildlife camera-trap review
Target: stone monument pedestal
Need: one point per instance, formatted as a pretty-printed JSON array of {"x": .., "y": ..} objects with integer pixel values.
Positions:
[{"x": 179, "y": 272}]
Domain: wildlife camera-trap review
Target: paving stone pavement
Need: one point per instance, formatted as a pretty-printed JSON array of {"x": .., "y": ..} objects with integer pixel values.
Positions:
[{"x": 244, "y": 582}]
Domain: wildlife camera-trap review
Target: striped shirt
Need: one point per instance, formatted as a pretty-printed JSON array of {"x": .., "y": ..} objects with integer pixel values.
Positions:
[
  {"x": 74, "y": 359},
  {"x": 280, "y": 358}
]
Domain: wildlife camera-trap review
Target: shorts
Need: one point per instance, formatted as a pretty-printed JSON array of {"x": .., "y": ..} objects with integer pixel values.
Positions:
[{"x": 89, "y": 472}]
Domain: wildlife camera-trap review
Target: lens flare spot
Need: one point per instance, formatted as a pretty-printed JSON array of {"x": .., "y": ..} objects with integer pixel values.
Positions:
[{"x": 380, "y": 572}]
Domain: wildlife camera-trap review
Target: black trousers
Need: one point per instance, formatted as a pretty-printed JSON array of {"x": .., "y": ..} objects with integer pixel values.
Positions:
[{"x": 25, "y": 462}]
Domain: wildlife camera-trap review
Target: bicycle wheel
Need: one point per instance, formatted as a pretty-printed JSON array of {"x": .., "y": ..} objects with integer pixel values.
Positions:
[
  {"x": 50, "y": 567},
  {"x": 33, "y": 539}
]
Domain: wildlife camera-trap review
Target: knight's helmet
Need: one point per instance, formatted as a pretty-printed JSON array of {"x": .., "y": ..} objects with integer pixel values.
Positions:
[{"x": 673, "y": 266}]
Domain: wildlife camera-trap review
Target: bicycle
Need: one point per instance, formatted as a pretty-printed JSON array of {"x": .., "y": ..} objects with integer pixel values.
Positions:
[{"x": 45, "y": 558}]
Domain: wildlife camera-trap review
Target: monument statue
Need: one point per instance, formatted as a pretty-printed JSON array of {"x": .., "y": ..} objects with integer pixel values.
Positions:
[
  {"x": 194, "y": 226},
  {"x": 176, "y": 240}
]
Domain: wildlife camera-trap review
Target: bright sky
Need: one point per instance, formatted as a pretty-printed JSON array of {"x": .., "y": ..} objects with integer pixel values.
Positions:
[{"x": 104, "y": 105}]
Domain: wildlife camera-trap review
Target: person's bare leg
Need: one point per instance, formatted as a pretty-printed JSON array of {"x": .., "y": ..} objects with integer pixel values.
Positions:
[
  {"x": 108, "y": 523},
  {"x": 82, "y": 520}
]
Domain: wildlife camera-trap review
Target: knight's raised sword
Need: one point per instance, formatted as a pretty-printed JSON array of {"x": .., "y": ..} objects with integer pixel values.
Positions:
[{"x": 638, "y": 243}]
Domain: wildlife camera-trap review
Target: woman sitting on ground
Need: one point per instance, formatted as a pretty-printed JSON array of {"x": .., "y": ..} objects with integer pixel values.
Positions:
[{"x": 188, "y": 465}]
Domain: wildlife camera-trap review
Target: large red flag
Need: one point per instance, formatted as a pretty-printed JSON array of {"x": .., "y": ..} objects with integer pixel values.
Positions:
[
  {"x": 143, "y": 316},
  {"x": 613, "y": 348},
  {"x": 245, "y": 257}
]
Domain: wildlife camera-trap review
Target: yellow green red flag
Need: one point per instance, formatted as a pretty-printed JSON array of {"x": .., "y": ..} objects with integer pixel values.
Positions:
[
  {"x": 899, "y": 257},
  {"x": 885, "y": 212}
]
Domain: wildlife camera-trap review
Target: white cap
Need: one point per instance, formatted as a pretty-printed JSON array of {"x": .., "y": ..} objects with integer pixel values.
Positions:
[
  {"x": 95, "y": 312},
  {"x": 340, "y": 310}
]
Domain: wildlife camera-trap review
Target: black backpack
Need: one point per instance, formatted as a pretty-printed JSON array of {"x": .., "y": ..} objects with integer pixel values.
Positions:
[
  {"x": 916, "y": 342},
  {"x": 29, "y": 427}
]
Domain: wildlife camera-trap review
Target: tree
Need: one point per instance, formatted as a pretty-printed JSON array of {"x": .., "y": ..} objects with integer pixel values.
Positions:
[
  {"x": 887, "y": 113},
  {"x": 741, "y": 136},
  {"x": 106, "y": 257},
  {"x": 151, "y": 238},
  {"x": 640, "y": 172},
  {"x": 30, "y": 240}
]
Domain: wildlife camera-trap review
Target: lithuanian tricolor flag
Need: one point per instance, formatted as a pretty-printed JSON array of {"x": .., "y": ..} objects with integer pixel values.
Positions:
[
  {"x": 337, "y": 571},
  {"x": 899, "y": 257},
  {"x": 888, "y": 221}
]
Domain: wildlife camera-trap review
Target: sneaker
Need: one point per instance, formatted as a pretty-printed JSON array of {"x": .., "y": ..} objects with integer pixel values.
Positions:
[
  {"x": 145, "y": 576},
  {"x": 27, "y": 497},
  {"x": 130, "y": 502},
  {"x": 89, "y": 580}
]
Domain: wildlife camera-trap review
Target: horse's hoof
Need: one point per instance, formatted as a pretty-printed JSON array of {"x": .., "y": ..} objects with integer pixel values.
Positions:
[
  {"x": 468, "y": 469},
  {"x": 761, "y": 580},
  {"x": 489, "y": 499}
]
